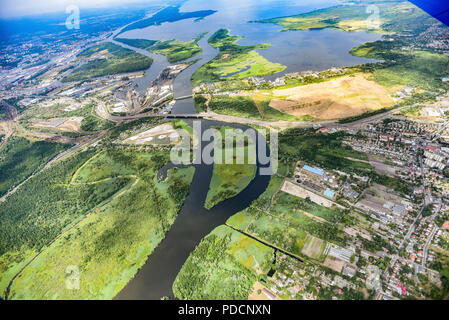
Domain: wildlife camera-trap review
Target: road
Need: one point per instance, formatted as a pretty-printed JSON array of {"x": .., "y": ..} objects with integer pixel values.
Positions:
[
  {"x": 103, "y": 112},
  {"x": 409, "y": 233},
  {"x": 55, "y": 159},
  {"x": 432, "y": 235}
]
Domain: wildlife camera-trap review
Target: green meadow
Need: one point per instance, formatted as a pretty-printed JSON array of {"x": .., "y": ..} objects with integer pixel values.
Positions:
[{"x": 225, "y": 265}]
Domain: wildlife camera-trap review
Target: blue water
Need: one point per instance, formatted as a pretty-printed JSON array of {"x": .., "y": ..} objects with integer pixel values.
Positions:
[{"x": 298, "y": 50}]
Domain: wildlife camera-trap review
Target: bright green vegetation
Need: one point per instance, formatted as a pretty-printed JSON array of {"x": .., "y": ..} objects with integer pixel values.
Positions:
[
  {"x": 137, "y": 43},
  {"x": 326, "y": 151},
  {"x": 278, "y": 218},
  {"x": 397, "y": 184},
  {"x": 90, "y": 122},
  {"x": 244, "y": 107},
  {"x": 177, "y": 50},
  {"x": 169, "y": 14},
  {"x": 42, "y": 208},
  {"x": 414, "y": 111},
  {"x": 441, "y": 264},
  {"x": 228, "y": 180},
  {"x": 20, "y": 158},
  {"x": 133, "y": 211},
  {"x": 225, "y": 265},
  {"x": 200, "y": 103},
  {"x": 366, "y": 115},
  {"x": 174, "y": 50},
  {"x": 427, "y": 212},
  {"x": 353, "y": 17},
  {"x": 419, "y": 69},
  {"x": 234, "y": 61},
  {"x": 113, "y": 59}
]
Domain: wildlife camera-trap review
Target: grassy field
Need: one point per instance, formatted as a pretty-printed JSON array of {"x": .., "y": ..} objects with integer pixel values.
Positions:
[
  {"x": 419, "y": 69},
  {"x": 107, "y": 59},
  {"x": 20, "y": 158},
  {"x": 177, "y": 50},
  {"x": 225, "y": 265},
  {"x": 228, "y": 180},
  {"x": 334, "y": 99},
  {"x": 109, "y": 244},
  {"x": 353, "y": 17},
  {"x": 412, "y": 112},
  {"x": 234, "y": 61},
  {"x": 248, "y": 107},
  {"x": 174, "y": 50},
  {"x": 42, "y": 208},
  {"x": 278, "y": 218},
  {"x": 138, "y": 43}
]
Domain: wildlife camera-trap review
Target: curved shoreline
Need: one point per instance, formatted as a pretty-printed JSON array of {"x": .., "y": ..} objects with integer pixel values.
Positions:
[{"x": 155, "y": 279}]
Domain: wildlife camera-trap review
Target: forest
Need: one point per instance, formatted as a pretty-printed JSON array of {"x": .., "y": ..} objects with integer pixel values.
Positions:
[{"x": 20, "y": 158}]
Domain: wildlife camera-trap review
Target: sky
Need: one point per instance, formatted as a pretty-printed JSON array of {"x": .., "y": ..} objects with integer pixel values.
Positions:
[{"x": 17, "y": 8}]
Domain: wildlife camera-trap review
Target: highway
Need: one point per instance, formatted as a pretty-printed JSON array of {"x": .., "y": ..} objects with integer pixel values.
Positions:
[{"x": 103, "y": 112}]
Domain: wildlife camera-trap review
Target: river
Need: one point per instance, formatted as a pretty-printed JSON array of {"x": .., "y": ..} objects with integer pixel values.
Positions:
[
  {"x": 155, "y": 279},
  {"x": 299, "y": 51}
]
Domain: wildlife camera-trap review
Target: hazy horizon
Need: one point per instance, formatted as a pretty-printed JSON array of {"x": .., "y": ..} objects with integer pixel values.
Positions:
[{"x": 23, "y": 8}]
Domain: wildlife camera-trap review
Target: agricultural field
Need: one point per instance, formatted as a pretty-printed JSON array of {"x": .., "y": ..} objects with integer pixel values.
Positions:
[
  {"x": 234, "y": 61},
  {"x": 290, "y": 223},
  {"x": 314, "y": 248},
  {"x": 225, "y": 265},
  {"x": 401, "y": 64},
  {"x": 228, "y": 180},
  {"x": 20, "y": 158},
  {"x": 121, "y": 215},
  {"x": 107, "y": 59},
  {"x": 334, "y": 99}
]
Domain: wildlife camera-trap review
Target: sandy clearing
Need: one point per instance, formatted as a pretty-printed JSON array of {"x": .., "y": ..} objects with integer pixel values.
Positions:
[
  {"x": 62, "y": 124},
  {"x": 298, "y": 191},
  {"x": 265, "y": 294},
  {"x": 164, "y": 134},
  {"x": 334, "y": 99}
]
